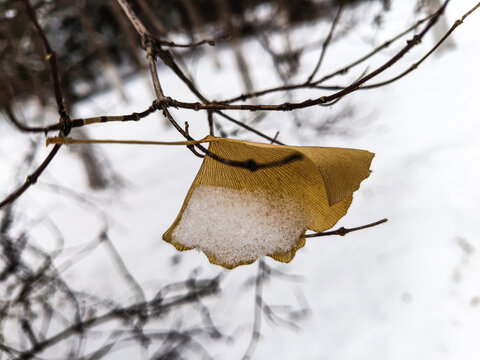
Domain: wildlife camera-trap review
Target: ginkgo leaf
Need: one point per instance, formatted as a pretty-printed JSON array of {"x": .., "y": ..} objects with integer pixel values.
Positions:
[{"x": 235, "y": 215}]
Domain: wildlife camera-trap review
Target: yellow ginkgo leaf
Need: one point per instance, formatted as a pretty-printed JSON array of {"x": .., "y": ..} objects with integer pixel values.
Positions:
[{"x": 235, "y": 215}]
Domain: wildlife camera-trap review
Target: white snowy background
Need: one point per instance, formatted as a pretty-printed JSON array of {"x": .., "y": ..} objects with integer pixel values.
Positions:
[{"x": 408, "y": 289}]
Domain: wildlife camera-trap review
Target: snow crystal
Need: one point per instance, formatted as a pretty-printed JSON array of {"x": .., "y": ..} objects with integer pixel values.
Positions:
[{"x": 237, "y": 226}]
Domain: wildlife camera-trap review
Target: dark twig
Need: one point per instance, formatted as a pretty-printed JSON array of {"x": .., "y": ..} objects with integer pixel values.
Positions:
[
  {"x": 51, "y": 57},
  {"x": 249, "y": 128},
  {"x": 31, "y": 179},
  {"x": 76, "y": 123},
  {"x": 25, "y": 128},
  {"x": 326, "y": 43},
  {"x": 192, "y": 147},
  {"x": 137, "y": 24},
  {"x": 136, "y": 116},
  {"x": 343, "y": 231}
]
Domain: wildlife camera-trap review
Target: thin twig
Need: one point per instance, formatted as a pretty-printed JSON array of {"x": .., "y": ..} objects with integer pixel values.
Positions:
[
  {"x": 51, "y": 57},
  {"x": 31, "y": 179},
  {"x": 137, "y": 24},
  {"x": 326, "y": 43},
  {"x": 25, "y": 128},
  {"x": 343, "y": 231}
]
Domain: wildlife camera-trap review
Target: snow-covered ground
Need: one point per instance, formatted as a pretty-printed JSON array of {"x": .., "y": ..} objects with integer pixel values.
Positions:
[{"x": 407, "y": 289}]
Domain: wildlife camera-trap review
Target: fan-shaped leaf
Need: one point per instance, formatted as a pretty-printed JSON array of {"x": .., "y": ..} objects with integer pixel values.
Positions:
[{"x": 235, "y": 215}]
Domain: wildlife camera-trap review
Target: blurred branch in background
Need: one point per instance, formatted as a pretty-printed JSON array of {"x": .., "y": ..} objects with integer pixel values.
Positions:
[{"x": 40, "y": 312}]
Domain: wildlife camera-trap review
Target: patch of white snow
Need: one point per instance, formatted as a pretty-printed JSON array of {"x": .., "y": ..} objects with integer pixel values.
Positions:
[{"x": 237, "y": 226}]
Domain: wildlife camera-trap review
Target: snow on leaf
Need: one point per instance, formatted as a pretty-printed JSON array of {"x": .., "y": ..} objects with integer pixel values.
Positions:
[{"x": 235, "y": 215}]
